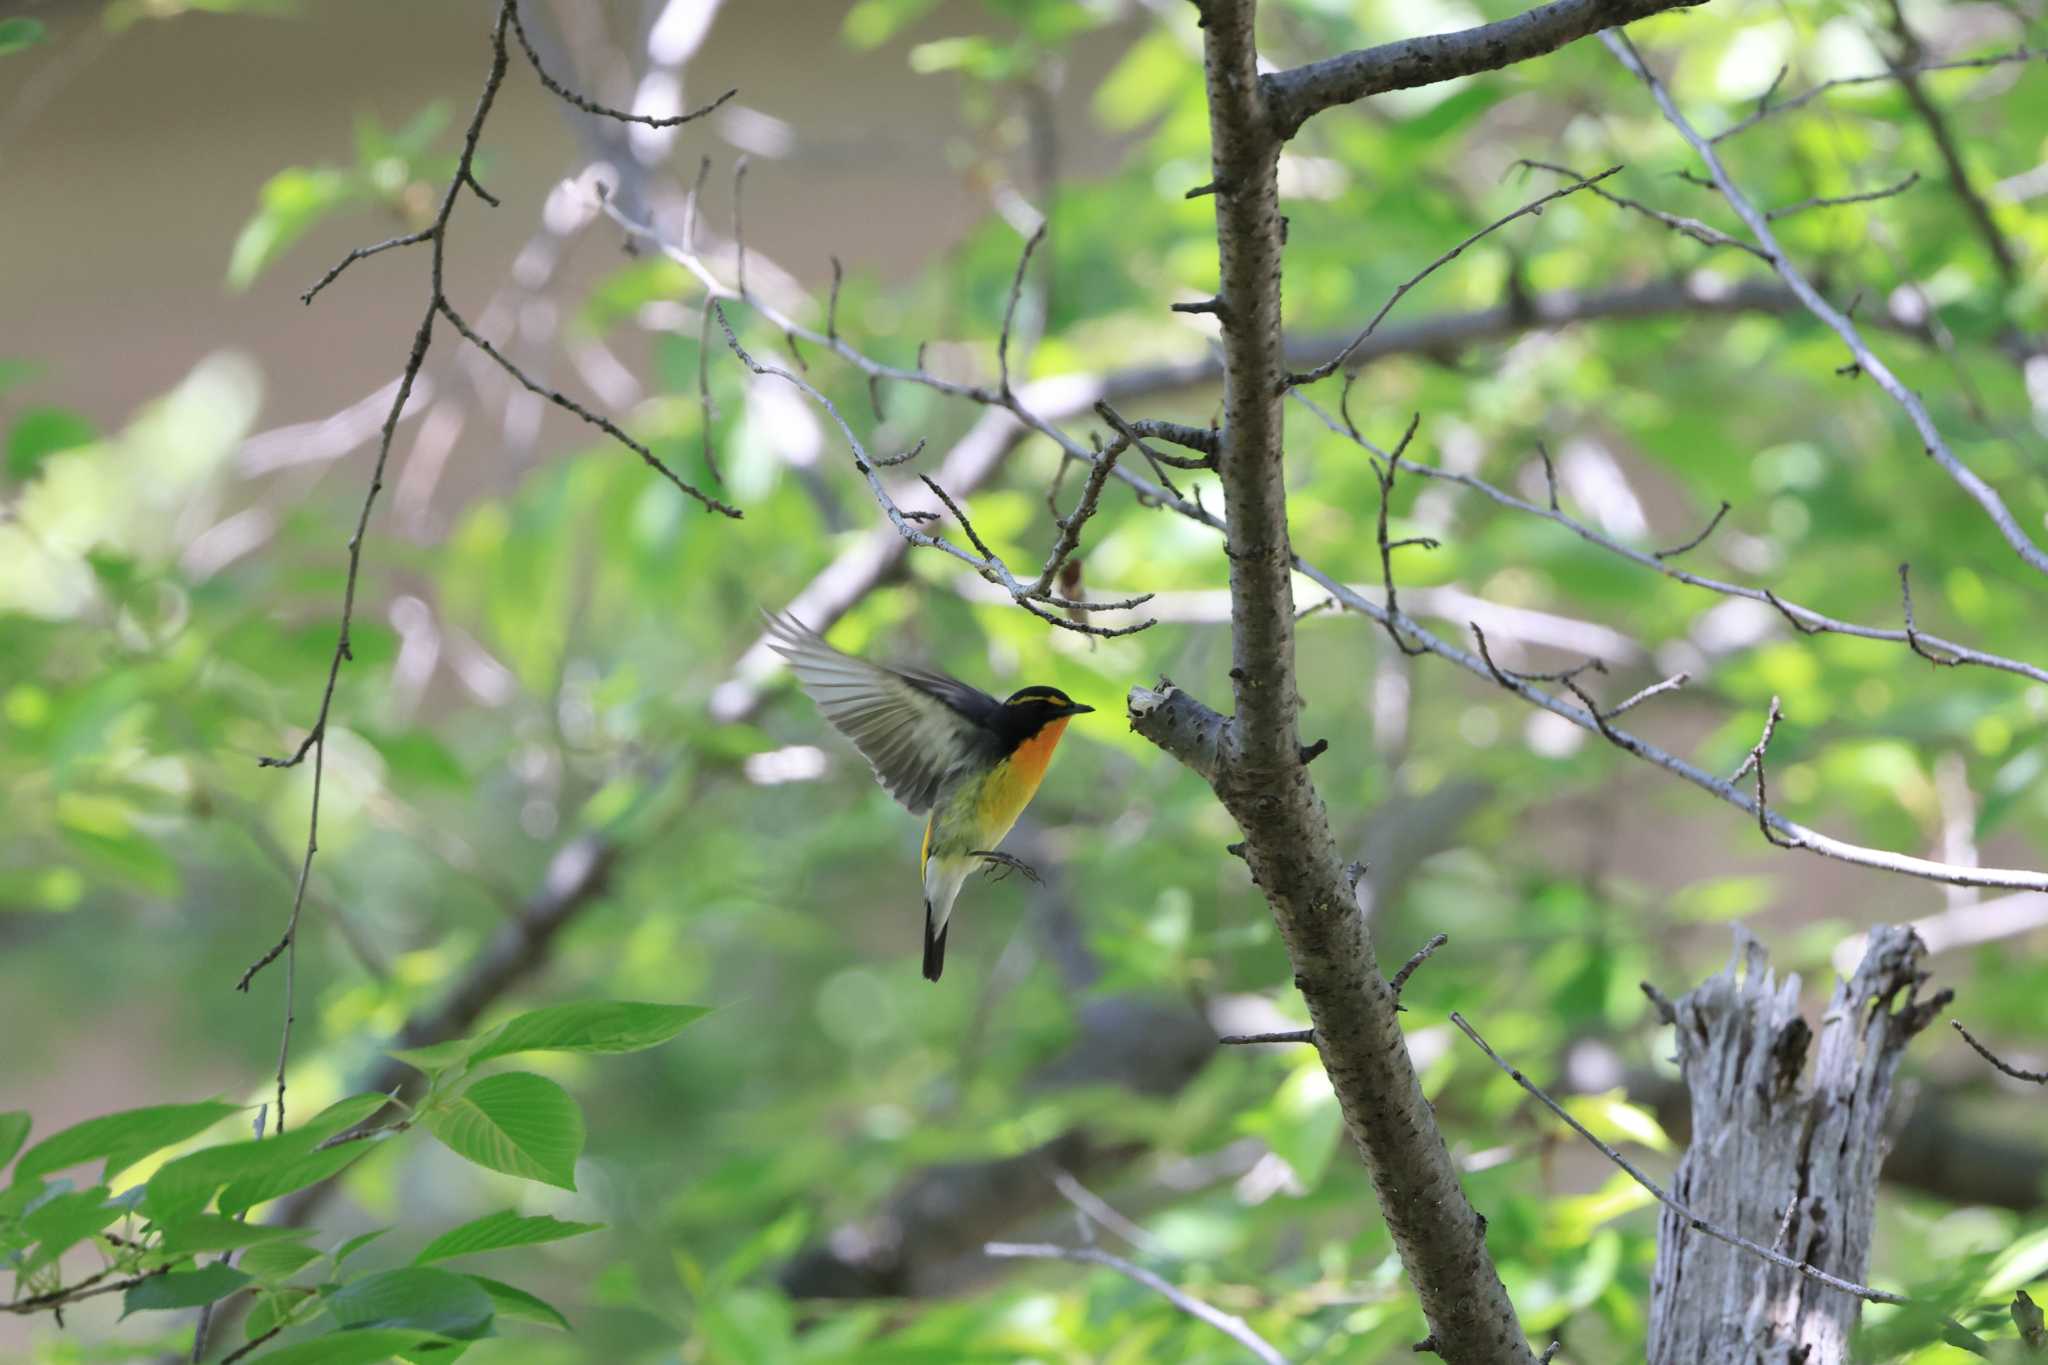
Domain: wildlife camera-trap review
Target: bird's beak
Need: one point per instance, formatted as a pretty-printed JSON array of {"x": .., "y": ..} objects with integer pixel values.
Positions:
[{"x": 1075, "y": 708}]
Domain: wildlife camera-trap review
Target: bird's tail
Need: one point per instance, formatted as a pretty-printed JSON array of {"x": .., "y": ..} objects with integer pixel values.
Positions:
[{"x": 934, "y": 943}]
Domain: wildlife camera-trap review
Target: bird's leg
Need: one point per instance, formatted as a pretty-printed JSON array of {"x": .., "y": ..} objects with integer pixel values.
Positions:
[{"x": 1008, "y": 863}]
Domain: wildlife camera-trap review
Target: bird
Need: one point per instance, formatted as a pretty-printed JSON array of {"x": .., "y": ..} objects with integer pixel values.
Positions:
[{"x": 943, "y": 748}]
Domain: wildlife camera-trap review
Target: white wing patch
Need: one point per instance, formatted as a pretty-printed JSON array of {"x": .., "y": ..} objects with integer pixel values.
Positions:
[{"x": 906, "y": 726}]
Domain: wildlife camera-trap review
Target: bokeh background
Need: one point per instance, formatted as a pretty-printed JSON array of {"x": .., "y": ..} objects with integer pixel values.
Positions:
[{"x": 552, "y": 648}]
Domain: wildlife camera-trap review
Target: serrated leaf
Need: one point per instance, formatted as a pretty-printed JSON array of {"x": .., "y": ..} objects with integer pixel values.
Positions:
[
  {"x": 518, "y": 1123},
  {"x": 278, "y": 1260},
  {"x": 357, "y": 1243},
  {"x": 418, "y": 1297},
  {"x": 346, "y": 1347},
  {"x": 211, "y": 1232},
  {"x": 14, "y": 1125},
  {"x": 514, "y": 1302},
  {"x": 435, "y": 1057},
  {"x": 261, "y": 1168},
  {"x": 123, "y": 1139},
  {"x": 309, "y": 1169},
  {"x": 594, "y": 1026},
  {"x": 61, "y": 1222},
  {"x": 278, "y": 1308},
  {"x": 496, "y": 1231},
  {"x": 183, "y": 1288}
]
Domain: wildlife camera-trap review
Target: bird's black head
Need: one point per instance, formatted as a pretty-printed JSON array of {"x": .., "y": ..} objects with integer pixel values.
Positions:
[{"x": 1029, "y": 709}]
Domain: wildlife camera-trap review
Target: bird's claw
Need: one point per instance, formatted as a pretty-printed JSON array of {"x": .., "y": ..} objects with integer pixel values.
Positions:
[{"x": 1007, "y": 863}]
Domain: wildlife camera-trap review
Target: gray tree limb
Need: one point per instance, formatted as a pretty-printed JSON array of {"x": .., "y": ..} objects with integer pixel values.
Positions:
[
  {"x": 1253, "y": 760},
  {"x": 1295, "y": 95}
]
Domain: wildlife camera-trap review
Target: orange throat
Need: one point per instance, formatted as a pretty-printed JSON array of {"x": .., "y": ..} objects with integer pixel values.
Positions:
[{"x": 1015, "y": 780}]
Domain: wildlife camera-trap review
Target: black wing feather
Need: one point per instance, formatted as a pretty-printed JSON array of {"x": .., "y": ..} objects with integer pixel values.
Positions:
[{"x": 915, "y": 727}]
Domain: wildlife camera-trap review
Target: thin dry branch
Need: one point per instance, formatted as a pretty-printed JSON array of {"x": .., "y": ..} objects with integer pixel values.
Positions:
[
  {"x": 1866, "y": 360},
  {"x": 1700, "y": 232},
  {"x": 435, "y": 237},
  {"x": 1533, "y": 208},
  {"x": 1805, "y": 619},
  {"x": 1229, "y": 1324},
  {"x": 2036, "y": 1077},
  {"x": 984, "y": 561},
  {"x": 1766, "y": 110},
  {"x": 1829, "y": 201},
  {"x": 1787, "y": 833},
  {"x": 590, "y": 106}
]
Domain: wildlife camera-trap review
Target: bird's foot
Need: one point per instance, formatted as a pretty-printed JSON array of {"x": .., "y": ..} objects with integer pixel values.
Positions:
[{"x": 1001, "y": 865}]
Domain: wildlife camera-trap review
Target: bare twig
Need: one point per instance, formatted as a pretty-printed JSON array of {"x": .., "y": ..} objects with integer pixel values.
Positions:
[
  {"x": 1229, "y": 1324},
  {"x": 2037, "y": 1077},
  {"x": 1802, "y": 618},
  {"x": 1700, "y": 232},
  {"x": 590, "y": 106},
  {"x": 1766, "y": 110},
  {"x": 981, "y": 559},
  {"x": 1010, "y": 307},
  {"x": 435, "y": 236},
  {"x": 1297, "y": 1035},
  {"x": 1533, "y": 207},
  {"x": 1421, "y": 955},
  {"x": 1867, "y": 360},
  {"x": 1385, "y": 474},
  {"x": 1692, "y": 544},
  {"x": 1800, "y": 836},
  {"x": 1837, "y": 200}
]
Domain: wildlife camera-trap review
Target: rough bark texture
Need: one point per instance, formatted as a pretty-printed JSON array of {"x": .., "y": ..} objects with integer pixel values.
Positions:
[
  {"x": 1254, "y": 761},
  {"x": 1305, "y": 90},
  {"x": 1783, "y": 1160}
]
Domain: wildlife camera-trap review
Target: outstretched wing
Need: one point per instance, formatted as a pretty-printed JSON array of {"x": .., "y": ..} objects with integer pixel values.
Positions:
[{"x": 912, "y": 726}]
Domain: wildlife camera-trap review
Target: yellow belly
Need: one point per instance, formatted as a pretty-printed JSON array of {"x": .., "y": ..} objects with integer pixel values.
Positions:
[{"x": 1015, "y": 781}]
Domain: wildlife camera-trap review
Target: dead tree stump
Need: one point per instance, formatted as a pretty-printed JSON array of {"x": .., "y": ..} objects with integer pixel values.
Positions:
[{"x": 1784, "y": 1160}]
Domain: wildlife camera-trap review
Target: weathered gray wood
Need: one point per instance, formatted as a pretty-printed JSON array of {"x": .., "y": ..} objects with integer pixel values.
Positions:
[{"x": 1785, "y": 1160}]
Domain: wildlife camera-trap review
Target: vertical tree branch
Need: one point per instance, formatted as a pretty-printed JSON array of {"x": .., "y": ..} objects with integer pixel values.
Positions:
[{"x": 1254, "y": 759}]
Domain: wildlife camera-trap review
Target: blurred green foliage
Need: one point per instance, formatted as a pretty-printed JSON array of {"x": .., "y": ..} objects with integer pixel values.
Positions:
[{"x": 546, "y": 670}]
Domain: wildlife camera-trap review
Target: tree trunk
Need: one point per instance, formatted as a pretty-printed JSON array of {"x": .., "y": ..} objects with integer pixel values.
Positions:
[{"x": 1784, "y": 1161}]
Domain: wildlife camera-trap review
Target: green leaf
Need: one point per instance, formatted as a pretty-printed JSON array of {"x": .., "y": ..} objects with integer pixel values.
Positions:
[
  {"x": 211, "y": 1232},
  {"x": 513, "y": 1302},
  {"x": 598, "y": 1026},
  {"x": 293, "y": 201},
  {"x": 278, "y": 1308},
  {"x": 62, "y": 1222},
  {"x": 278, "y": 1260},
  {"x": 16, "y": 34},
  {"x": 262, "y": 1168},
  {"x": 870, "y": 23},
  {"x": 42, "y": 432},
  {"x": 495, "y": 1231},
  {"x": 14, "y": 1126},
  {"x": 123, "y": 1139},
  {"x": 365, "y": 1347},
  {"x": 518, "y": 1123},
  {"x": 435, "y": 1057},
  {"x": 184, "y": 1288},
  {"x": 309, "y": 1169},
  {"x": 418, "y": 1297},
  {"x": 357, "y": 1243}
]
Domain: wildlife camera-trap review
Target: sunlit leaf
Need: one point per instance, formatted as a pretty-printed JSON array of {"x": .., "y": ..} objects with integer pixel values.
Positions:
[{"x": 518, "y": 1123}]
